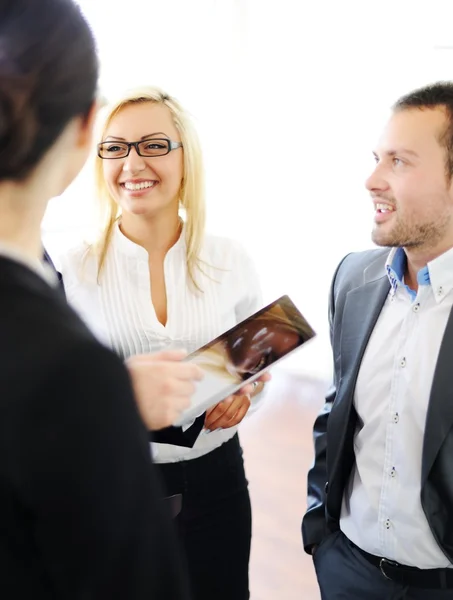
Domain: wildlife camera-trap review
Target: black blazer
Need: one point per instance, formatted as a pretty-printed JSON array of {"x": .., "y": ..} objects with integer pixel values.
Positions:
[
  {"x": 358, "y": 292},
  {"x": 81, "y": 509},
  {"x": 170, "y": 435}
]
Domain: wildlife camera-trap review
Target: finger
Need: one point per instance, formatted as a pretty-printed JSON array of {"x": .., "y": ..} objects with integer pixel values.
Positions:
[
  {"x": 163, "y": 355},
  {"x": 265, "y": 377},
  {"x": 230, "y": 413},
  {"x": 177, "y": 387},
  {"x": 221, "y": 422},
  {"x": 242, "y": 411},
  {"x": 214, "y": 413},
  {"x": 181, "y": 403},
  {"x": 165, "y": 369},
  {"x": 185, "y": 371},
  {"x": 245, "y": 390},
  {"x": 225, "y": 421},
  {"x": 171, "y": 355},
  {"x": 249, "y": 388}
]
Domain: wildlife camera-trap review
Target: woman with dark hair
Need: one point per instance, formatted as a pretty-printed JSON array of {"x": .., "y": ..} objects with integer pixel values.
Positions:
[{"x": 81, "y": 510}]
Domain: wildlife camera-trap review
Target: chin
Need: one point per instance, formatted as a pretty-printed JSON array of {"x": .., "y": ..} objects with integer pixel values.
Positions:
[
  {"x": 137, "y": 207},
  {"x": 139, "y": 211},
  {"x": 380, "y": 238}
]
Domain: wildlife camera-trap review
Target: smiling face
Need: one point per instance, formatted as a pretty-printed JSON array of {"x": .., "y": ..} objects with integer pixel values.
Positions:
[
  {"x": 141, "y": 185},
  {"x": 409, "y": 186}
]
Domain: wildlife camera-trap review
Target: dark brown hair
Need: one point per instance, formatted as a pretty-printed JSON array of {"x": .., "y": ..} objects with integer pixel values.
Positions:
[
  {"x": 436, "y": 95},
  {"x": 48, "y": 75}
]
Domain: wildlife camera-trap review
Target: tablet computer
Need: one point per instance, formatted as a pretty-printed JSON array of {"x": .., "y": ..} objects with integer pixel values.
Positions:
[{"x": 244, "y": 352}]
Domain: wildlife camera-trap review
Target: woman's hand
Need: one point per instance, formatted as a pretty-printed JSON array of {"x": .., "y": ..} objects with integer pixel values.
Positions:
[
  {"x": 233, "y": 409},
  {"x": 227, "y": 413}
]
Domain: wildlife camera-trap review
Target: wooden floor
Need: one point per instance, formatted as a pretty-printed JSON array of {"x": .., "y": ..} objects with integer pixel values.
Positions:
[{"x": 277, "y": 442}]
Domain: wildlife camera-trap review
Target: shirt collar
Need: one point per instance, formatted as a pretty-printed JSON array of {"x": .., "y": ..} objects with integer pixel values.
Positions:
[
  {"x": 130, "y": 248},
  {"x": 438, "y": 273},
  {"x": 441, "y": 274},
  {"x": 39, "y": 267}
]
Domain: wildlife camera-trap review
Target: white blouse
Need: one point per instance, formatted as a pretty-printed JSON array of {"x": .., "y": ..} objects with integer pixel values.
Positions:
[{"x": 121, "y": 315}]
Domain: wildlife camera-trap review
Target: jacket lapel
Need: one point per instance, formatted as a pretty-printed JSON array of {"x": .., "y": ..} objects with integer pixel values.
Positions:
[
  {"x": 439, "y": 419},
  {"x": 361, "y": 311}
]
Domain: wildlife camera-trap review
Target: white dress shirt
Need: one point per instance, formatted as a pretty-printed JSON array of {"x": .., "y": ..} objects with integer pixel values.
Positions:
[
  {"x": 382, "y": 512},
  {"x": 120, "y": 312}
]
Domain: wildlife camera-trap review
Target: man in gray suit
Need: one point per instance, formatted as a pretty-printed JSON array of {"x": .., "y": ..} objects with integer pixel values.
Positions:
[{"x": 379, "y": 522}]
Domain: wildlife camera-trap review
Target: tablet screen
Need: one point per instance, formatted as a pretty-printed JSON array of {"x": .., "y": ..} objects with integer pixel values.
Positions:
[{"x": 244, "y": 352}]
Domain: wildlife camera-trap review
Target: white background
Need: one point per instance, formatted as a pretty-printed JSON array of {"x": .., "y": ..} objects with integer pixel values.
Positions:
[{"x": 288, "y": 98}]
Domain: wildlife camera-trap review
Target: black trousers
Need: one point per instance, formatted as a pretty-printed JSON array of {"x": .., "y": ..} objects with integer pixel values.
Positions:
[
  {"x": 345, "y": 574},
  {"x": 215, "y": 521}
]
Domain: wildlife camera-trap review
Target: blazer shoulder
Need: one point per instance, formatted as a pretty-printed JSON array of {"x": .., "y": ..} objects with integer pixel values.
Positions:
[
  {"x": 354, "y": 267},
  {"x": 37, "y": 316}
]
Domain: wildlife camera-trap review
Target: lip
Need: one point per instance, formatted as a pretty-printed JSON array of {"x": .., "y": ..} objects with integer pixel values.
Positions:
[
  {"x": 141, "y": 180},
  {"x": 382, "y": 217}
]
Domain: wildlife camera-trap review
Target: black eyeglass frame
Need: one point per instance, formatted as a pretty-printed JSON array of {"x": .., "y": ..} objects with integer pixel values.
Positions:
[{"x": 170, "y": 146}]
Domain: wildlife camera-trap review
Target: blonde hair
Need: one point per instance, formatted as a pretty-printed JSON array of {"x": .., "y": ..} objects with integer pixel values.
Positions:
[{"x": 192, "y": 193}]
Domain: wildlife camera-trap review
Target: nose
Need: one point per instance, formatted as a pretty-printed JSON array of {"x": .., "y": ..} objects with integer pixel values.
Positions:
[
  {"x": 377, "y": 180},
  {"x": 134, "y": 162}
]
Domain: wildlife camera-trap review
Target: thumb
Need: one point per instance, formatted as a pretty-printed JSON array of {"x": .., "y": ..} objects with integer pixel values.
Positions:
[{"x": 171, "y": 355}]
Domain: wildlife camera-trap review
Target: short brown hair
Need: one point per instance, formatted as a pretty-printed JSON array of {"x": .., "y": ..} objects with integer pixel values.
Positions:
[{"x": 435, "y": 95}]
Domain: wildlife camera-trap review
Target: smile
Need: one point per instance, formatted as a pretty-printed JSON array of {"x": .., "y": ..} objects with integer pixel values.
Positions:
[
  {"x": 381, "y": 207},
  {"x": 142, "y": 185}
]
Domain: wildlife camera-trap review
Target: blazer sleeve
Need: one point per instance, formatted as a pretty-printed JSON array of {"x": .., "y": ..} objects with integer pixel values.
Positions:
[
  {"x": 314, "y": 524},
  {"x": 90, "y": 488}
]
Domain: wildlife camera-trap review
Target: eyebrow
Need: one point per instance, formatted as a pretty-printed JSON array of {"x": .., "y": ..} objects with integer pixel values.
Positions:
[
  {"x": 392, "y": 153},
  {"x": 144, "y": 137}
]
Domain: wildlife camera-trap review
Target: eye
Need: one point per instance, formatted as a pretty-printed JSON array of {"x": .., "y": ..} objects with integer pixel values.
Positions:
[
  {"x": 396, "y": 161},
  {"x": 113, "y": 150},
  {"x": 155, "y": 146}
]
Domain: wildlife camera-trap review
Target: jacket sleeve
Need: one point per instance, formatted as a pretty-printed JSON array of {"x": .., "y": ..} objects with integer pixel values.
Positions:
[
  {"x": 89, "y": 487},
  {"x": 314, "y": 524}
]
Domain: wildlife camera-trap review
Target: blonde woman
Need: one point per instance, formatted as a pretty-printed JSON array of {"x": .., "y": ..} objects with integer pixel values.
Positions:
[{"x": 154, "y": 281}]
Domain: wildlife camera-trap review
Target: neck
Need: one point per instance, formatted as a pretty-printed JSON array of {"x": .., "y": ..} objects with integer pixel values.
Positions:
[
  {"x": 156, "y": 234},
  {"x": 418, "y": 258},
  {"x": 21, "y": 214}
]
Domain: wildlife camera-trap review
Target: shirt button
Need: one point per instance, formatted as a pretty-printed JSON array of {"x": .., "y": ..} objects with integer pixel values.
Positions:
[
  {"x": 387, "y": 523},
  {"x": 440, "y": 290},
  {"x": 396, "y": 418},
  {"x": 416, "y": 307},
  {"x": 403, "y": 362},
  {"x": 393, "y": 472}
]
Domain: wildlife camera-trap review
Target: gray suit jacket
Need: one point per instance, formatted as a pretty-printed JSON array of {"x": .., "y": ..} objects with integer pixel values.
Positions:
[{"x": 358, "y": 292}]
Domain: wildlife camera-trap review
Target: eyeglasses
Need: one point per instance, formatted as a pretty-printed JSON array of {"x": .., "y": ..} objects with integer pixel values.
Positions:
[{"x": 147, "y": 148}]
